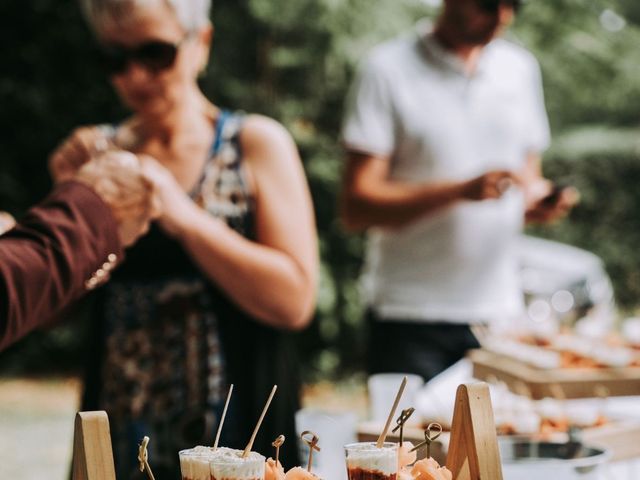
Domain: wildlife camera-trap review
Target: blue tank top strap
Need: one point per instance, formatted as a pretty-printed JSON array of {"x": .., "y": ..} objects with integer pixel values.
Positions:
[
  {"x": 217, "y": 140},
  {"x": 223, "y": 190},
  {"x": 213, "y": 151}
]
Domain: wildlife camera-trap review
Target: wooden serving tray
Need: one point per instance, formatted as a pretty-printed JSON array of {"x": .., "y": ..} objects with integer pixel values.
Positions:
[
  {"x": 620, "y": 437},
  {"x": 541, "y": 383}
]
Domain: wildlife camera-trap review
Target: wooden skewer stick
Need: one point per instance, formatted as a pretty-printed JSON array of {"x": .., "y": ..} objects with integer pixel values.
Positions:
[
  {"x": 313, "y": 445},
  {"x": 143, "y": 458},
  {"x": 224, "y": 414},
  {"x": 557, "y": 391},
  {"x": 255, "y": 430},
  {"x": 278, "y": 443},
  {"x": 392, "y": 413}
]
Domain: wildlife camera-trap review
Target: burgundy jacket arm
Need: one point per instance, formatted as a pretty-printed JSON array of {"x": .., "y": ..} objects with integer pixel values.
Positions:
[{"x": 46, "y": 260}]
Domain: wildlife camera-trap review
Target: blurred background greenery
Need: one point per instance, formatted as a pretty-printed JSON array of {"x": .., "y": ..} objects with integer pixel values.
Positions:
[{"x": 293, "y": 60}]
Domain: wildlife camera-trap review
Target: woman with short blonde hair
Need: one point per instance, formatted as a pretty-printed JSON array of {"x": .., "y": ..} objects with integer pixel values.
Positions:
[{"x": 206, "y": 298}]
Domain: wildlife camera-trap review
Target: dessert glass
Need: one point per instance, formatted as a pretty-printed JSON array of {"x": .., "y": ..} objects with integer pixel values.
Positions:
[
  {"x": 365, "y": 461},
  {"x": 230, "y": 465}
]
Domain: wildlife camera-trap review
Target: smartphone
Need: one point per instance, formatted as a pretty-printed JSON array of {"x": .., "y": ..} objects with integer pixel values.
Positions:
[{"x": 555, "y": 194}]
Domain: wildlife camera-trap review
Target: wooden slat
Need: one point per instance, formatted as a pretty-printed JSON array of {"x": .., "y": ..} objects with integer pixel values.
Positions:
[
  {"x": 92, "y": 453},
  {"x": 575, "y": 382},
  {"x": 473, "y": 445}
]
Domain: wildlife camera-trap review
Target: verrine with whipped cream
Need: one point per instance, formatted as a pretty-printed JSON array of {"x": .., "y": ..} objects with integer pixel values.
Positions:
[
  {"x": 194, "y": 462},
  {"x": 231, "y": 465},
  {"x": 206, "y": 463},
  {"x": 365, "y": 461}
]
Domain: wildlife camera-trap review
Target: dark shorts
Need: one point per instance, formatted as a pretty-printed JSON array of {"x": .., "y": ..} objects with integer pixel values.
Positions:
[{"x": 425, "y": 349}]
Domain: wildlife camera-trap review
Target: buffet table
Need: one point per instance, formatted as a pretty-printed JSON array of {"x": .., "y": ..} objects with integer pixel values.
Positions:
[{"x": 621, "y": 436}]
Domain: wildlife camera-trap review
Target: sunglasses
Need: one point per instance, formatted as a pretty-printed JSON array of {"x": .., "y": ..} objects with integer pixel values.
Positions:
[
  {"x": 492, "y": 6},
  {"x": 155, "y": 56}
]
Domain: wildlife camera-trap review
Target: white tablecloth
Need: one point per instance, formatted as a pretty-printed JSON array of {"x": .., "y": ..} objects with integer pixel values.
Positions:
[{"x": 628, "y": 470}]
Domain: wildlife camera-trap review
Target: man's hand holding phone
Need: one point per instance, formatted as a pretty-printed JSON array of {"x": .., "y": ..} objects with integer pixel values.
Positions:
[{"x": 556, "y": 204}]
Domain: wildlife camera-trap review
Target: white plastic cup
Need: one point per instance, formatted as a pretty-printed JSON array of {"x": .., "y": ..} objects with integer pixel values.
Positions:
[
  {"x": 334, "y": 430},
  {"x": 383, "y": 388},
  {"x": 194, "y": 463},
  {"x": 365, "y": 461}
]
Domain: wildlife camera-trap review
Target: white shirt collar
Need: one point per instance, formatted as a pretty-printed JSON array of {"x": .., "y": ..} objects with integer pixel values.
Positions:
[{"x": 444, "y": 57}]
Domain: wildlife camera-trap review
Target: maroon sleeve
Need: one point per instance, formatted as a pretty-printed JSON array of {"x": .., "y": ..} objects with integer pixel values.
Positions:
[{"x": 47, "y": 260}]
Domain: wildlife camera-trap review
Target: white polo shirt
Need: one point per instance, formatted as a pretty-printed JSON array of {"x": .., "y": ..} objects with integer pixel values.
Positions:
[{"x": 412, "y": 101}]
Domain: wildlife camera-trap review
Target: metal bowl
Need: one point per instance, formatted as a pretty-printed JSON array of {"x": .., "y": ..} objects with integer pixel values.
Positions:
[{"x": 526, "y": 459}]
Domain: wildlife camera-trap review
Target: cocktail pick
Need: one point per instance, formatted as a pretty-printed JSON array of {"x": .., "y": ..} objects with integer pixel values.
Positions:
[
  {"x": 601, "y": 391},
  {"x": 383, "y": 435},
  {"x": 602, "y": 394},
  {"x": 557, "y": 391},
  {"x": 143, "y": 457},
  {"x": 432, "y": 432},
  {"x": 255, "y": 430},
  {"x": 523, "y": 389},
  {"x": 402, "y": 419},
  {"x": 278, "y": 443},
  {"x": 224, "y": 414},
  {"x": 313, "y": 445}
]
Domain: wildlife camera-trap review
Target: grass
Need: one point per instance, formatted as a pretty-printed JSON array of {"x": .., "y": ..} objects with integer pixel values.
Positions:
[{"x": 36, "y": 425}]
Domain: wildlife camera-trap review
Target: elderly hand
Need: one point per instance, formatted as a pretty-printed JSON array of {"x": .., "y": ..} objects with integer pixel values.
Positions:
[
  {"x": 76, "y": 150},
  {"x": 117, "y": 177},
  {"x": 175, "y": 204}
]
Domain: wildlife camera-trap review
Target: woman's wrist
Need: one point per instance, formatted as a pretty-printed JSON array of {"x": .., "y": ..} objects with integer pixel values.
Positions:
[{"x": 191, "y": 222}]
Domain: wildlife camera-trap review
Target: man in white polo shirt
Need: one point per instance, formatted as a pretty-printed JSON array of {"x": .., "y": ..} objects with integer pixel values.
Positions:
[{"x": 444, "y": 130}]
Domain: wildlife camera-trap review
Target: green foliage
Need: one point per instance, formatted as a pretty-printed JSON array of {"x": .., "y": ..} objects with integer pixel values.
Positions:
[
  {"x": 293, "y": 60},
  {"x": 604, "y": 164},
  {"x": 590, "y": 71}
]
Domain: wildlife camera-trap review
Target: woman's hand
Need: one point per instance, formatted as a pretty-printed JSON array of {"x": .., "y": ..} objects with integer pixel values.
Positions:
[
  {"x": 176, "y": 206},
  {"x": 76, "y": 150}
]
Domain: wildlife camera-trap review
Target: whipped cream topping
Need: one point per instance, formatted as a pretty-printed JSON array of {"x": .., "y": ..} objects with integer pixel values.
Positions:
[
  {"x": 229, "y": 464},
  {"x": 195, "y": 462},
  {"x": 367, "y": 456}
]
